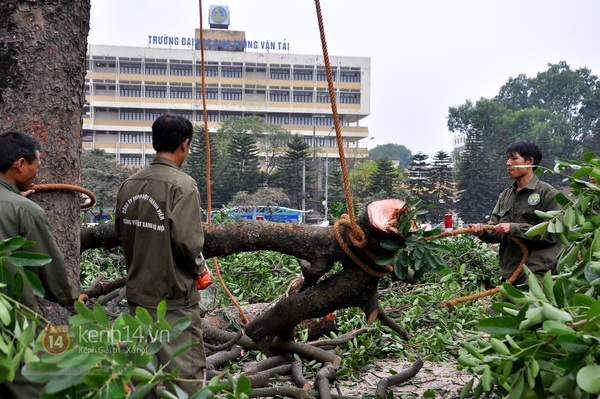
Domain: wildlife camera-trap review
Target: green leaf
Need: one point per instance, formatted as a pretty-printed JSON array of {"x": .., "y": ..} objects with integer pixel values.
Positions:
[
  {"x": 40, "y": 372},
  {"x": 100, "y": 315},
  {"x": 548, "y": 287},
  {"x": 564, "y": 292},
  {"x": 97, "y": 377},
  {"x": 562, "y": 199},
  {"x": 161, "y": 310},
  {"x": 534, "y": 286},
  {"x": 515, "y": 295},
  {"x": 34, "y": 282},
  {"x": 557, "y": 328},
  {"x": 84, "y": 311},
  {"x": 390, "y": 245},
  {"x": 243, "y": 385},
  {"x": 385, "y": 259},
  {"x": 537, "y": 229},
  {"x": 553, "y": 313},
  {"x": 500, "y": 326},
  {"x": 143, "y": 316},
  {"x": 572, "y": 343},
  {"x": 24, "y": 258},
  {"x": 13, "y": 243},
  {"x": 562, "y": 385},
  {"x": 570, "y": 219},
  {"x": 588, "y": 378}
]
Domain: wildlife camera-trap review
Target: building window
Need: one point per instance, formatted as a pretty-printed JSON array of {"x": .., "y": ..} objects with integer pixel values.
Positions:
[
  {"x": 186, "y": 114},
  {"x": 213, "y": 116},
  {"x": 303, "y": 74},
  {"x": 322, "y": 75},
  {"x": 280, "y": 74},
  {"x": 131, "y": 115},
  {"x": 231, "y": 72},
  {"x": 301, "y": 119},
  {"x": 156, "y": 69},
  {"x": 349, "y": 98},
  {"x": 131, "y": 159},
  {"x": 149, "y": 159},
  {"x": 323, "y": 120},
  {"x": 156, "y": 91},
  {"x": 210, "y": 71},
  {"x": 323, "y": 97},
  {"x": 212, "y": 93},
  {"x": 131, "y": 91},
  {"x": 279, "y": 96},
  {"x": 104, "y": 89},
  {"x": 181, "y": 92},
  {"x": 132, "y": 137},
  {"x": 129, "y": 68},
  {"x": 303, "y": 97},
  {"x": 278, "y": 119},
  {"x": 152, "y": 114},
  {"x": 349, "y": 76},
  {"x": 231, "y": 94},
  {"x": 181, "y": 70}
]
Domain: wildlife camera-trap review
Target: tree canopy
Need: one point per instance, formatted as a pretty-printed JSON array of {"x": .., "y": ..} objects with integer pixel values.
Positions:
[{"x": 557, "y": 109}]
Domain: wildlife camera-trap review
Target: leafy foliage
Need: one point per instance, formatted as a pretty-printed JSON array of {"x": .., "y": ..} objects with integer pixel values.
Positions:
[
  {"x": 557, "y": 109},
  {"x": 545, "y": 341},
  {"x": 17, "y": 322},
  {"x": 395, "y": 152},
  {"x": 117, "y": 359}
]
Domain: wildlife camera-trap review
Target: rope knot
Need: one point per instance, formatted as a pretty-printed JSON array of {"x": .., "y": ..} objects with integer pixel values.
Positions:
[{"x": 356, "y": 234}]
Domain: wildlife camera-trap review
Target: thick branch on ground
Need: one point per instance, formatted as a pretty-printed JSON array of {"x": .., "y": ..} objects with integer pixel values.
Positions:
[
  {"x": 399, "y": 378},
  {"x": 351, "y": 287}
]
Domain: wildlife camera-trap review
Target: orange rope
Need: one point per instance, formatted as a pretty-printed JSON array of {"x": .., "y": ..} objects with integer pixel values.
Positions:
[
  {"x": 208, "y": 193},
  {"x": 67, "y": 187},
  {"x": 453, "y": 302},
  {"x": 336, "y": 119}
]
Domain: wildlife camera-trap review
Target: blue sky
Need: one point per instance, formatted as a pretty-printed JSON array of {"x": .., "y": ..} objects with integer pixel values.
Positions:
[{"x": 426, "y": 55}]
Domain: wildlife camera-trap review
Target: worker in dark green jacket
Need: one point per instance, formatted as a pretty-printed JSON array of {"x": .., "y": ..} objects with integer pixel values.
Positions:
[
  {"x": 19, "y": 216},
  {"x": 514, "y": 214},
  {"x": 159, "y": 222}
]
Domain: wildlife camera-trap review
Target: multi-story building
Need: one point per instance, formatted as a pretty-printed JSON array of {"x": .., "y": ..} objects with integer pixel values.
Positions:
[{"x": 128, "y": 87}]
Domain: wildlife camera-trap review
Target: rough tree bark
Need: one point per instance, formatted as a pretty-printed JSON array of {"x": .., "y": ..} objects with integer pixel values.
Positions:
[{"x": 42, "y": 76}]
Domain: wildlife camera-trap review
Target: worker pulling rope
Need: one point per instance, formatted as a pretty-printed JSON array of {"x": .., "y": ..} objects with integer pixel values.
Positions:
[
  {"x": 68, "y": 187},
  {"x": 511, "y": 280}
]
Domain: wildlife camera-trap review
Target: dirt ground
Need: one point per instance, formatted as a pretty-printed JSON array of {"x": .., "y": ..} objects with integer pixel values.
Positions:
[{"x": 444, "y": 381}]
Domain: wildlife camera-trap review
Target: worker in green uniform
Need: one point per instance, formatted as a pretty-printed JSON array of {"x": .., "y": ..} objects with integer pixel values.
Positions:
[
  {"x": 19, "y": 216},
  {"x": 159, "y": 222},
  {"x": 514, "y": 214}
]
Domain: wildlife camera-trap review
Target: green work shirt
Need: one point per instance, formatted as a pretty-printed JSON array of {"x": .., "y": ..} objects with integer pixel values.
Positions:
[
  {"x": 19, "y": 216},
  {"x": 518, "y": 208},
  {"x": 159, "y": 222}
]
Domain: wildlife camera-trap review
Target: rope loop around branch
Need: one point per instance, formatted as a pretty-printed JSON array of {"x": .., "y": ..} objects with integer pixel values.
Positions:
[
  {"x": 356, "y": 234},
  {"x": 359, "y": 240}
]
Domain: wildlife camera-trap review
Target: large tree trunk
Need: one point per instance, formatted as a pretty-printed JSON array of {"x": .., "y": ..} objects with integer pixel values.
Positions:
[{"x": 42, "y": 75}]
